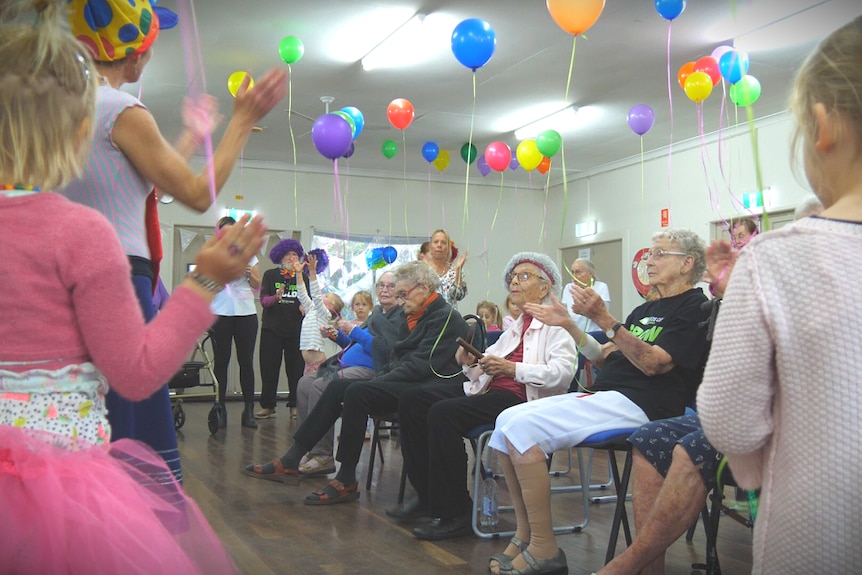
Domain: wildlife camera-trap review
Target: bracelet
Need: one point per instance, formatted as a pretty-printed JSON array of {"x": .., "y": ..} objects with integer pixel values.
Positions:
[{"x": 206, "y": 283}]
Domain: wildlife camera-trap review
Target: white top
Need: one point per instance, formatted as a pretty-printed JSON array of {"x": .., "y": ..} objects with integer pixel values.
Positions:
[
  {"x": 585, "y": 324},
  {"x": 237, "y": 297},
  {"x": 781, "y": 395},
  {"x": 316, "y": 315}
]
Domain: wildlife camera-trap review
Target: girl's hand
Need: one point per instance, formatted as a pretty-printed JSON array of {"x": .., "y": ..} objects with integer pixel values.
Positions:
[
  {"x": 298, "y": 266},
  {"x": 201, "y": 117}
]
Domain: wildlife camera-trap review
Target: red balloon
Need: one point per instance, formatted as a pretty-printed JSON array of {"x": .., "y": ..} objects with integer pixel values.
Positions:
[
  {"x": 498, "y": 155},
  {"x": 684, "y": 72},
  {"x": 709, "y": 65},
  {"x": 544, "y": 165},
  {"x": 400, "y": 113}
]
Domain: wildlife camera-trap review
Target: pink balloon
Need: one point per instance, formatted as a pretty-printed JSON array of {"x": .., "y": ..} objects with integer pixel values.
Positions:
[
  {"x": 498, "y": 155},
  {"x": 719, "y": 51}
]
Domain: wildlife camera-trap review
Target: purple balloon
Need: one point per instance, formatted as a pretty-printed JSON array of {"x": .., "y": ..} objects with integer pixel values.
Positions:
[
  {"x": 514, "y": 164},
  {"x": 483, "y": 166},
  {"x": 720, "y": 51},
  {"x": 331, "y": 135},
  {"x": 640, "y": 119},
  {"x": 350, "y": 150}
]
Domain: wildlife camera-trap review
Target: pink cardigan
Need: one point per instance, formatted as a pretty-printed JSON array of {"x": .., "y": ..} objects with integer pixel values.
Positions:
[{"x": 66, "y": 297}]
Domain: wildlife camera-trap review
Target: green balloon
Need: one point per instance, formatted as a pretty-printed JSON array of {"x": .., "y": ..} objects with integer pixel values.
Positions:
[
  {"x": 745, "y": 92},
  {"x": 549, "y": 142},
  {"x": 389, "y": 148},
  {"x": 349, "y": 120},
  {"x": 291, "y": 49},
  {"x": 468, "y": 153}
]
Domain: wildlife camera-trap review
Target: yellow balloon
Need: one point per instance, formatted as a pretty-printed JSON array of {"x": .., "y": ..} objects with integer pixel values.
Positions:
[
  {"x": 234, "y": 81},
  {"x": 698, "y": 86},
  {"x": 442, "y": 160},
  {"x": 528, "y": 155}
]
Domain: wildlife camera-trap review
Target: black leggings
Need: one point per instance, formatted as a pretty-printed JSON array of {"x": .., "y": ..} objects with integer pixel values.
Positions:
[{"x": 242, "y": 329}]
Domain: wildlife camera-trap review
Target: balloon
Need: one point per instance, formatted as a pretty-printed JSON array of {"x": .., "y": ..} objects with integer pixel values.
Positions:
[
  {"x": 640, "y": 119},
  {"x": 358, "y": 119},
  {"x": 400, "y": 113},
  {"x": 698, "y": 86},
  {"x": 349, "y": 119},
  {"x": 473, "y": 43},
  {"x": 350, "y": 150},
  {"x": 669, "y": 9},
  {"x": 733, "y": 65},
  {"x": 389, "y": 149},
  {"x": 684, "y": 72},
  {"x": 721, "y": 51},
  {"x": 528, "y": 155},
  {"x": 291, "y": 49},
  {"x": 468, "y": 153},
  {"x": 709, "y": 65},
  {"x": 390, "y": 254},
  {"x": 331, "y": 136},
  {"x": 575, "y": 16},
  {"x": 549, "y": 142},
  {"x": 430, "y": 150},
  {"x": 234, "y": 81},
  {"x": 544, "y": 166},
  {"x": 374, "y": 258},
  {"x": 498, "y": 155},
  {"x": 483, "y": 166},
  {"x": 514, "y": 164},
  {"x": 745, "y": 92},
  {"x": 442, "y": 161}
]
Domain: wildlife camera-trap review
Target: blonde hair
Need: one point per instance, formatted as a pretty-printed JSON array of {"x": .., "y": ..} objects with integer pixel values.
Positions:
[
  {"x": 832, "y": 76},
  {"x": 47, "y": 95},
  {"x": 448, "y": 242},
  {"x": 362, "y": 296},
  {"x": 493, "y": 308}
]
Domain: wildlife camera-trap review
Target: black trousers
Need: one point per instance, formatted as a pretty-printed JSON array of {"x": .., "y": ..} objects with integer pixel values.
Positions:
[
  {"x": 434, "y": 421},
  {"x": 272, "y": 348},
  {"x": 242, "y": 330}
]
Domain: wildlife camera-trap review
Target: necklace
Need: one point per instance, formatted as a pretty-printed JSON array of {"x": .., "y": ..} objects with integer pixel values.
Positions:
[{"x": 20, "y": 187}]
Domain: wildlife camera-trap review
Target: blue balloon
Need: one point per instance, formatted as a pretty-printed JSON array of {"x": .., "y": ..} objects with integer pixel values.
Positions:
[
  {"x": 669, "y": 9},
  {"x": 430, "y": 151},
  {"x": 358, "y": 118},
  {"x": 390, "y": 254},
  {"x": 473, "y": 43},
  {"x": 733, "y": 65}
]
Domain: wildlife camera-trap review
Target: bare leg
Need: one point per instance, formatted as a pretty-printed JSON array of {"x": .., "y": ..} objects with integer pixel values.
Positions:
[
  {"x": 664, "y": 510},
  {"x": 522, "y": 529}
]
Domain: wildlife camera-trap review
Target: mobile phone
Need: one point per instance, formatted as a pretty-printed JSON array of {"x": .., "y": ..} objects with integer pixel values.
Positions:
[{"x": 466, "y": 345}]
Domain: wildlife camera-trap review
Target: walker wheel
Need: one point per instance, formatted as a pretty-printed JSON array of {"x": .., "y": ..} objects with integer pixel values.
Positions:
[
  {"x": 212, "y": 419},
  {"x": 179, "y": 416}
]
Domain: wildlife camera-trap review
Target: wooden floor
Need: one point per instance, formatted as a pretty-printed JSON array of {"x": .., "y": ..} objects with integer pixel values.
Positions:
[{"x": 268, "y": 530}]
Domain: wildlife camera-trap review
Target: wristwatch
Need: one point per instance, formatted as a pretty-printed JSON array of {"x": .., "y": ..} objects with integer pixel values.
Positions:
[
  {"x": 206, "y": 282},
  {"x": 610, "y": 333}
]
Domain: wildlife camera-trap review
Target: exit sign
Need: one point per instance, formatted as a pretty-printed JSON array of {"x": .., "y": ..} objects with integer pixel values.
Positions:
[
  {"x": 752, "y": 200},
  {"x": 237, "y": 213},
  {"x": 665, "y": 217}
]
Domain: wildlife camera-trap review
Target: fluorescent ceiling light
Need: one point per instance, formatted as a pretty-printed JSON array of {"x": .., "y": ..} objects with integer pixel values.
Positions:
[
  {"x": 561, "y": 121},
  {"x": 399, "y": 48}
]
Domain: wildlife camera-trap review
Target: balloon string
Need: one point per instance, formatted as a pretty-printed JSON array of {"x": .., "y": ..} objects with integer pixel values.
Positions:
[
  {"x": 704, "y": 156},
  {"x": 404, "y": 157},
  {"x": 487, "y": 266},
  {"x": 544, "y": 211},
  {"x": 335, "y": 199},
  {"x": 670, "y": 102},
  {"x": 571, "y": 67},
  {"x": 341, "y": 196},
  {"x": 499, "y": 201},
  {"x": 336, "y": 181},
  {"x": 643, "y": 208},
  {"x": 517, "y": 233},
  {"x": 466, "y": 215},
  {"x": 757, "y": 171},
  {"x": 428, "y": 211},
  {"x": 346, "y": 206},
  {"x": 292, "y": 145},
  {"x": 563, "y": 146}
]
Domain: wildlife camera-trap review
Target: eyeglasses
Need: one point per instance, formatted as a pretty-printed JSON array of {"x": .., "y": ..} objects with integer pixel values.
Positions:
[
  {"x": 382, "y": 287},
  {"x": 403, "y": 295},
  {"x": 660, "y": 253},
  {"x": 522, "y": 276}
]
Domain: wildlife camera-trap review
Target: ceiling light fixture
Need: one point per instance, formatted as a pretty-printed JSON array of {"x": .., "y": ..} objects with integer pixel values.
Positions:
[
  {"x": 399, "y": 47},
  {"x": 561, "y": 121}
]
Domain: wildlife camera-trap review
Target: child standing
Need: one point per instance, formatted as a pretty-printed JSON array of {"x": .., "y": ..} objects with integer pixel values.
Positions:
[
  {"x": 321, "y": 311},
  {"x": 490, "y": 314}
]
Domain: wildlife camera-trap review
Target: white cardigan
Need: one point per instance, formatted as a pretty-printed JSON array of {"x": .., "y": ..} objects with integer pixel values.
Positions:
[{"x": 549, "y": 360}]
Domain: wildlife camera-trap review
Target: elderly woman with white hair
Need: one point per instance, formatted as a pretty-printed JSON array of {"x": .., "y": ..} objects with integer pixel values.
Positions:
[
  {"x": 650, "y": 368},
  {"x": 529, "y": 361}
]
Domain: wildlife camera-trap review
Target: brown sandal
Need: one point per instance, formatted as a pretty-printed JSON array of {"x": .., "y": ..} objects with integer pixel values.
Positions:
[
  {"x": 279, "y": 473},
  {"x": 334, "y": 492}
]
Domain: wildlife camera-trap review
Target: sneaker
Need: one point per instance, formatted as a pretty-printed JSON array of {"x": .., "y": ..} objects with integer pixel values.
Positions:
[
  {"x": 264, "y": 413},
  {"x": 317, "y": 465}
]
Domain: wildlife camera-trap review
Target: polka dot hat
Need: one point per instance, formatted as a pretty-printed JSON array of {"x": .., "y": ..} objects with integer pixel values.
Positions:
[{"x": 114, "y": 29}]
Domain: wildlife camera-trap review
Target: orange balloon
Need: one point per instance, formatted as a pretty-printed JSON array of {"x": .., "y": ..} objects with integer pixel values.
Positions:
[
  {"x": 684, "y": 72},
  {"x": 400, "y": 113},
  {"x": 575, "y": 16},
  {"x": 544, "y": 165}
]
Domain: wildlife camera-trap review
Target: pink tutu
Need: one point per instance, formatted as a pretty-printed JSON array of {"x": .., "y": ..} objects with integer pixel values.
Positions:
[{"x": 102, "y": 509}]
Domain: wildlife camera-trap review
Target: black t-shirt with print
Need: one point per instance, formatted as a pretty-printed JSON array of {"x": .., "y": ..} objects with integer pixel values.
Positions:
[
  {"x": 284, "y": 318},
  {"x": 672, "y": 324}
]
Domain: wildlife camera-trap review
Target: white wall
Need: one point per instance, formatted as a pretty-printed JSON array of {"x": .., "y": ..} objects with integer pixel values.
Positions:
[{"x": 611, "y": 195}]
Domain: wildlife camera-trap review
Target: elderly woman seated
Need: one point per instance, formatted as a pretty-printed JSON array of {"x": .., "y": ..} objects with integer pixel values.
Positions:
[
  {"x": 529, "y": 361},
  {"x": 649, "y": 370},
  {"x": 423, "y": 356}
]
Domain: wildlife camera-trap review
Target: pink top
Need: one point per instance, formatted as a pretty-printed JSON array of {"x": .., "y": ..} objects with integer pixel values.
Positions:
[{"x": 66, "y": 298}]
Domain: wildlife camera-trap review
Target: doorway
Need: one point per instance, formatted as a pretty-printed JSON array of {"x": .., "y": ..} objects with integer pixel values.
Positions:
[{"x": 608, "y": 259}]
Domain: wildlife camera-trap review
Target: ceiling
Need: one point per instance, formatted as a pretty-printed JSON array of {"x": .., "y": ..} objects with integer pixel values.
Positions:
[{"x": 622, "y": 61}]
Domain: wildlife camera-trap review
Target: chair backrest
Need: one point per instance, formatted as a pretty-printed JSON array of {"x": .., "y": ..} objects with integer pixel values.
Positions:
[
  {"x": 493, "y": 336},
  {"x": 476, "y": 334}
]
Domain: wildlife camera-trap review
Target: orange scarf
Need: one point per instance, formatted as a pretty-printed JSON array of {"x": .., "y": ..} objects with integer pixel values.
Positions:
[{"x": 414, "y": 317}]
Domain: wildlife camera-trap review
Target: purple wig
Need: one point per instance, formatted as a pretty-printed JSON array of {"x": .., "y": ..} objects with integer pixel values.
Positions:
[
  {"x": 277, "y": 253},
  {"x": 322, "y": 259}
]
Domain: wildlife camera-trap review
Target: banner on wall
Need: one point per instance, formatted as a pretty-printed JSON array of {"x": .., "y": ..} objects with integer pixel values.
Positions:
[
  {"x": 165, "y": 230},
  {"x": 186, "y": 238}
]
